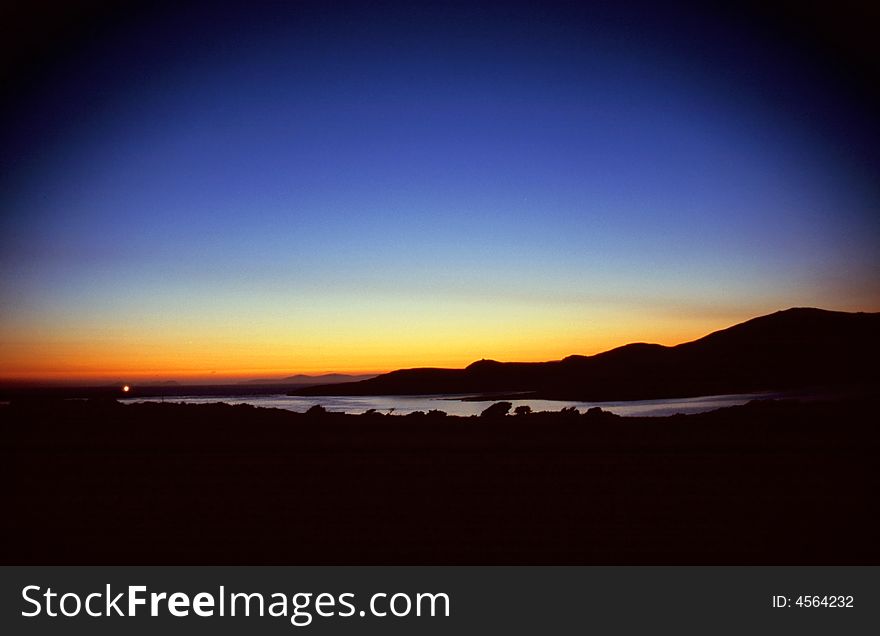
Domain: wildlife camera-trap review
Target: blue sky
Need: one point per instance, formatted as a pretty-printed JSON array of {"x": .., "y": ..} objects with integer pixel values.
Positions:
[{"x": 463, "y": 177}]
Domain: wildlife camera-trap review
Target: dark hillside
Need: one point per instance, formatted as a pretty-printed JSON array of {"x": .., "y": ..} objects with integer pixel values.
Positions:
[{"x": 792, "y": 349}]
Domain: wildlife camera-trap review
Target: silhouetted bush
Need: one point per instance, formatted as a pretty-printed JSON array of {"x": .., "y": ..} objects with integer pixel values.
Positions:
[
  {"x": 436, "y": 413},
  {"x": 316, "y": 410},
  {"x": 596, "y": 414},
  {"x": 569, "y": 410},
  {"x": 522, "y": 409},
  {"x": 499, "y": 409}
]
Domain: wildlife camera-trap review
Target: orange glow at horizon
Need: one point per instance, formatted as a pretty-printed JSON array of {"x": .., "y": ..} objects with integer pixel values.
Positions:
[
  {"x": 205, "y": 357},
  {"x": 239, "y": 338},
  {"x": 302, "y": 199}
]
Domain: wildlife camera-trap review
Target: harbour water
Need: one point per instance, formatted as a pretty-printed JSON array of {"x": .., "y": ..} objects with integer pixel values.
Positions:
[{"x": 455, "y": 405}]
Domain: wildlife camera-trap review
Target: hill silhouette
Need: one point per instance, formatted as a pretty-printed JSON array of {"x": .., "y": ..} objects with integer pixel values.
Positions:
[
  {"x": 326, "y": 378},
  {"x": 791, "y": 349},
  {"x": 300, "y": 378}
]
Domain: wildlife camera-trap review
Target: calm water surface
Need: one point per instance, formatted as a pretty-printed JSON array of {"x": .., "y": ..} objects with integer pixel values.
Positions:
[{"x": 453, "y": 404}]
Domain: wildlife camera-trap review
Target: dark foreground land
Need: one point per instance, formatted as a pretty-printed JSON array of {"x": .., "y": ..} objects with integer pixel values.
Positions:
[{"x": 91, "y": 482}]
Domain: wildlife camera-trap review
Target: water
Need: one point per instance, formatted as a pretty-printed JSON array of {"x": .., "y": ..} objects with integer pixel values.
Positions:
[{"x": 454, "y": 405}]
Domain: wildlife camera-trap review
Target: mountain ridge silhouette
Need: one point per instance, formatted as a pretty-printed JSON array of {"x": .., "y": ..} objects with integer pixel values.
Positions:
[{"x": 795, "y": 348}]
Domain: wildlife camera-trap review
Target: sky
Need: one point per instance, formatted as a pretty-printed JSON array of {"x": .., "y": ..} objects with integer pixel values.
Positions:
[{"x": 208, "y": 192}]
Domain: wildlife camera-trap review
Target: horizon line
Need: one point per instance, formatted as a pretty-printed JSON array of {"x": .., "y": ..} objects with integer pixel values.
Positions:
[{"x": 202, "y": 378}]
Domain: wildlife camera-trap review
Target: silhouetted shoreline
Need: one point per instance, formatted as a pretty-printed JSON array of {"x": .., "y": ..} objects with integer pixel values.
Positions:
[{"x": 771, "y": 482}]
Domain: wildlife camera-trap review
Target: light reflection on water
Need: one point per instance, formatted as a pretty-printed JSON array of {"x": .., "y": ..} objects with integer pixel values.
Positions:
[{"x": 453, "y": 405}]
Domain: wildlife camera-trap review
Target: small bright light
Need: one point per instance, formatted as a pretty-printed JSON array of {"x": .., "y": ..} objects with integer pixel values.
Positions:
[{"x": 126, "y": 389}]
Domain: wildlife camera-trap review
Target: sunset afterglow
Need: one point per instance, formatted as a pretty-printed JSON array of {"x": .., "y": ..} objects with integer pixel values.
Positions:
[{"x": 254, "y": 195}]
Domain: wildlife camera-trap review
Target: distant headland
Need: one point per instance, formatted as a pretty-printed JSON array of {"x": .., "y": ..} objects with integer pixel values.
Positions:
[{"x": 797, "y": 348}]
